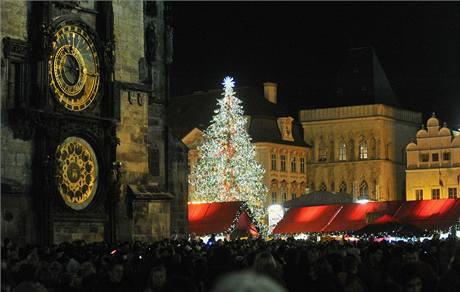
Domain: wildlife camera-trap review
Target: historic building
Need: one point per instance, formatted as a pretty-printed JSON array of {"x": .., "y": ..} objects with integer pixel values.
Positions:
[
  {"x": 358, "y": 147},
  {"x": 86, "y": 153},
  {"x": 433, "y": 163},
  {"x": 274, "y": 132}
]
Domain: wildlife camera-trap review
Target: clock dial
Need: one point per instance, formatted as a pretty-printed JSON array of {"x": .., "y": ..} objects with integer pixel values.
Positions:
[
  {"x": 74, "y": 68},
  {"x": 78, "y": 168}
]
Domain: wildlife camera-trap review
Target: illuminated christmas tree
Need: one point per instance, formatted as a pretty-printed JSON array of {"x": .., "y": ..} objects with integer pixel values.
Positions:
[{"x": 227, "y": 169}]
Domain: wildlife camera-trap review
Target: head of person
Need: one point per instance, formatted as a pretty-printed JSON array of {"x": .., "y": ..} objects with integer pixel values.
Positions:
[
  {"x": 246, "y": 281},
  {"x": 157, "y": 277},
  {"x": 116, "y": 272},
  {"x": 264, "y": 262}
]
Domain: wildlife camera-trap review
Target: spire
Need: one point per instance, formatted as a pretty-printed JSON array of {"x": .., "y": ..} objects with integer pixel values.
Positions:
[{"x": 362, "y": 80}]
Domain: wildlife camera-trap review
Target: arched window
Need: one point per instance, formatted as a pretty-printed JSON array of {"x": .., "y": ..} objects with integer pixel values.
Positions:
[
  {"x": 332, "y": 187},
  {"x": 323, "y": 187},
  {"x": 342, "y": 151},
  {"x": 363, "y": 151},
  {"x": 322, "y": 155},
  {"x": 343, "y": 187},
  {"x": 351, "y": 151},
  {"x": 364, "y": 190}
]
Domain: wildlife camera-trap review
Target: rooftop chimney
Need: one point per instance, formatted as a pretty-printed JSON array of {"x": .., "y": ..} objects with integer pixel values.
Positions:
[{"x": 270, "y": 91}]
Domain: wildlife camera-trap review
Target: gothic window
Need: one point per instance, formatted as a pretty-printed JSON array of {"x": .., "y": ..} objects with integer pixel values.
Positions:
[
  {"x": 283, "y": 162},
  {"x": 322, "y": 152},
  {"x": 343, "y": 187},
  {"x": 363, "y": 154},
  {"x": 435, "y": 194},
  {"x": 342, "y": 151},
  {"x": 284, "y": 196},
  {"x": 293, "y": 164},
  {"x": 332, "y": 187},
  {"x": 351, "y": 150},
  {"x": 323, "y": 187},
  {"x": 364, "y": 190},
  {"x": 273, "y": 158},
  {"x": 154, "y": 161},
  {"x": 293, "y": 196},
  {"x": 273, "y": 197},
  {"x": 302, "y": 165}
]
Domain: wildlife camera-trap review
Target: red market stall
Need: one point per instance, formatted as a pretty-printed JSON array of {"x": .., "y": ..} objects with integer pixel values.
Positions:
[
  {"x": 220, "y": 217},
  {"x": 307, "y": 219}
]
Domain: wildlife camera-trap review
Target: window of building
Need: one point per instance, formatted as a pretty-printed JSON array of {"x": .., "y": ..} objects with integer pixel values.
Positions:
[
  {"x": 435, "y": 194},
  {"x": 332, "y": 187},
  {"x": 273, "y": 197},
  {"x": 342, "y": 152},
  {"x": 322, "y": 187},
  {"x": 343, "y": 187},
  {"x": 284, "y": 196},
  {"x": 419, "y": 195},
  {"x": 363, "y": 150},
  {"x": 446, "y": 156},
  {"x": 293, "y": 196},
  {"x": 364, "y": 190},
  {"x": 293, "y": 164},
  {"x": 322, "y": 152},
  {"x": 302, "y": 165},
  {"x": 435, "y": 157},
  {"x": 273, "y": 161},
  {"x": 283, "y": 162},
  {"x": 452, "y": 193},
  {"x": 424, "y": 157}
]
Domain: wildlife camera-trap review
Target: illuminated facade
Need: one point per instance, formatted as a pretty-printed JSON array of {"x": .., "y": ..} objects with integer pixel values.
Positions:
[
  {"x": 358, "y": 149},
  {"x": 433, "y": 163},
  {"x": 275, "y": 134}
]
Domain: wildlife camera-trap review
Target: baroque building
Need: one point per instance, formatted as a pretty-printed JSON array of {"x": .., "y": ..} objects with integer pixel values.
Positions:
[
  {"x": 358, "y": 147},
  {"x": 274, "y": 133},
  {"x": 86, "y": 152},
  {"x": 433, "y": 163}
]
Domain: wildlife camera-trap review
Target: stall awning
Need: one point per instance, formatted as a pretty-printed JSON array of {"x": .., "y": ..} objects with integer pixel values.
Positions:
[
  {"x": 430, "y": 214},
  {"x": 307, "y": 219},
  {"x": 355, "y": 216},
  {"x": 208, "y": 218}
]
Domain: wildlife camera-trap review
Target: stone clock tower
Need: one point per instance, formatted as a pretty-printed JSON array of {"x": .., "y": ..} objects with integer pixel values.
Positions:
[{"x": 85, "y": 150}]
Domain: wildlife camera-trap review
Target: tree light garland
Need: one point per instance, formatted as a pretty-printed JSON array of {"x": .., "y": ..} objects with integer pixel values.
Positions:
[{"x": 227, "y": 169}]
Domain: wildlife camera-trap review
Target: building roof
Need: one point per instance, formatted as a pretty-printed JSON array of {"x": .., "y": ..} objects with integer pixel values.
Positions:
[
  {"x": 319, "y": 198},
  {"x": 196, "y": 110},
  {"x": 362, "y": 80},
  {"x": 221, "y": 217}
]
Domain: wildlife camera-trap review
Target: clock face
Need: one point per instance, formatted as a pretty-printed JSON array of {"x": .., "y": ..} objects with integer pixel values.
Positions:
[
  {"x": 78, "y": 169},
  {"x": 74, "y": 68}
]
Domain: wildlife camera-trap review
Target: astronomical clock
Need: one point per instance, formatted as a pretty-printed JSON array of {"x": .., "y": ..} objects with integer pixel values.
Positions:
[{"x": 69, "y": 114}]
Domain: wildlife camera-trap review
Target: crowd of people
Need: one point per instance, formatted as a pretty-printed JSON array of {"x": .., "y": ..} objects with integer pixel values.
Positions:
[{"x": 238, "y": 265}]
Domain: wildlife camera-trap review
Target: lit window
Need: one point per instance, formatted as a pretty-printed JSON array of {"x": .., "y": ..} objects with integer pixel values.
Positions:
[
  {"x": 323, "y": 187},
  {"x": 435, "y": 194},
  {"x": 273, "y": 161},
  {"x": 452, "y": 193},
  {"x": 363, "y": 190},
  {"x": 342, "y": 152},
  {"x": 302, "y": 165},
  {"x": 424, "y": 157},
  {"x": 419, "y": 195},
  {"x": 293, "y": 164},
  {"x": 446, "y": 156},
  {"x": 363, "y": 150},
  {"x": 322, "y": 152},
  {"x": 283, "y": 162},
  {"x": 435, "y": 157},
  {"x": 343, "y": 187}
]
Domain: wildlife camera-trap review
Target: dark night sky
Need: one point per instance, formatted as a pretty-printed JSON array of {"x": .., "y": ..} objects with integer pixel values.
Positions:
[{"x": 301, "y": 46}]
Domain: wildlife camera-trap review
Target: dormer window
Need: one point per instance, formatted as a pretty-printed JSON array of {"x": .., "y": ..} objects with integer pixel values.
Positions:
[{"x": 285, "y": 127}]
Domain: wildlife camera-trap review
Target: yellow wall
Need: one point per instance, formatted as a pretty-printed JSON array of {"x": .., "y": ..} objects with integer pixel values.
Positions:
[
  {"x": 385, "y": 130},
  {"x": 431, "y": 174}
]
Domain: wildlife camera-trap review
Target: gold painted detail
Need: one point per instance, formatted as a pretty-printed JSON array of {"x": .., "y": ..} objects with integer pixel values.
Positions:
[
  {"x": 78, "y": 169},
  {"x": 74, "y": 68}
]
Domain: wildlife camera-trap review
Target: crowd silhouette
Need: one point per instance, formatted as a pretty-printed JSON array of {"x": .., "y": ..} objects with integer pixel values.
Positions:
[{"x": 238, "y": 265}]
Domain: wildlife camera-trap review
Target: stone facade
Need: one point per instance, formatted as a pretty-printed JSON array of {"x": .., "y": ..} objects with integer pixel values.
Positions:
[
  {"x": 433, "y": 163},
  {"x": 126, "y": 125},
  {"x": 358, "y": 149}
]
